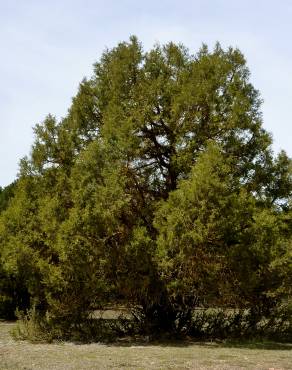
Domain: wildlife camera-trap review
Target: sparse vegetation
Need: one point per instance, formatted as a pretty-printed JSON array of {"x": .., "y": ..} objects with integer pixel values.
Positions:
[{"x": 129, "y": 354}]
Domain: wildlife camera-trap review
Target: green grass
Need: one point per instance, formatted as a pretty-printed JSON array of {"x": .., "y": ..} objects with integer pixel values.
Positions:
[{"x": 16, "y": 355}]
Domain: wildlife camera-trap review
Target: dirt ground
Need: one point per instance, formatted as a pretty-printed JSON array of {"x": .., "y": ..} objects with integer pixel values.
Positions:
[{"x": 16, "y": 355}]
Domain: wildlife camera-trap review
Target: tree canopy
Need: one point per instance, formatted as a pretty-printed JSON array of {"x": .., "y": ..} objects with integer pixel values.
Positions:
[{"x": 158, "y": 190}]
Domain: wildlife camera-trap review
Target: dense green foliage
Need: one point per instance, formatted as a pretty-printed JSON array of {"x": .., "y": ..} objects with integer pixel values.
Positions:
[
  {"x": 158, "y": 190},
  {"x": 5, "y": 195}
]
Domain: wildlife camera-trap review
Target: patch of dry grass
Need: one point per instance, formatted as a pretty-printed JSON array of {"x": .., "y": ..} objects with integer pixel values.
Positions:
[{"x": 16, "y": 355}]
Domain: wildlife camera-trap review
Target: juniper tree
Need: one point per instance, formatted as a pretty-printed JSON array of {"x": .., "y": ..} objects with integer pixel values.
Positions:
[{"x": 122, "y": 195}]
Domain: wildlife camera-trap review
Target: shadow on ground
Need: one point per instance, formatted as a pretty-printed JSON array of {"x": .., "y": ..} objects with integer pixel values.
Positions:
[{"x": 247, "y": 344}]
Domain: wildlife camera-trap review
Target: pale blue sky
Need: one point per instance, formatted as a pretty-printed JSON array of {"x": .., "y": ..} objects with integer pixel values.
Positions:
[{"x": 47, "y": 47}]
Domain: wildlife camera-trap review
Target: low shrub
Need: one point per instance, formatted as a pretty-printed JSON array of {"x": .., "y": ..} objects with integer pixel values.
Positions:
[{"x": 242, "y": 324}]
